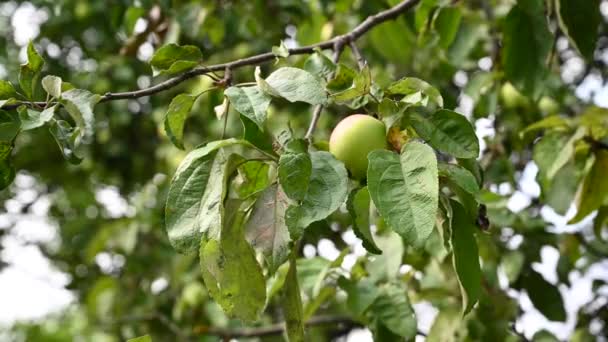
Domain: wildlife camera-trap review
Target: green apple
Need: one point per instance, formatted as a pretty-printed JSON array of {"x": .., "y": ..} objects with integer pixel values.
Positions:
[
  {"x": 353, "y": 138},
  {"x": 548, "y": 106},
  {"x": 511, "y": 97}
]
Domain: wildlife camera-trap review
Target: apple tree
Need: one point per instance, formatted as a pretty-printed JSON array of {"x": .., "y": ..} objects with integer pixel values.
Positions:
[{"x": 301, "y": 170}]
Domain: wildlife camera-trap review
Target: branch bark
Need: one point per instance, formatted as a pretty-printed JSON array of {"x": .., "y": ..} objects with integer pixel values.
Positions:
[{"x": 341, "y": 40}]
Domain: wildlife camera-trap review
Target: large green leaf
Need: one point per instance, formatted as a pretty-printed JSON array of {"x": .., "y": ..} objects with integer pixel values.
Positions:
[
  {"x": 194, "y": 206},
  {"x": 29, "y": 72},
  {"x": 252, "y": 133},
  {"x": 580, "y": 21},
  {"x": 358, "y": 206},
  {"x": 266, "y": 229},
  {"x": 79, "y": 103},
  {"x": 446, "y": 131},
  {"x": 526, "y": 46},
  {"x": 404, "y": 189},
  {"x": 545, "y": 297},
  {"x": 230, "y": 270},
  {"x": 594, "y": 190},
  {"x": 295, "y": 85},
  {"x": 392, "y": 309},
  {"x": 250, "y": 102},
  {"x": 327, "y": 191},
  {"x": 295, "y": 169},
  {"x": 176, "y": 116},
  {"x": 172, "y": 58},
  {"x": 465, "y": 256}
]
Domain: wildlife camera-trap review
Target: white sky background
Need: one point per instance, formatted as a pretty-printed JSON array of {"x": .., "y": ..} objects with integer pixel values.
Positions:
[{"x": 30, "y": 287}]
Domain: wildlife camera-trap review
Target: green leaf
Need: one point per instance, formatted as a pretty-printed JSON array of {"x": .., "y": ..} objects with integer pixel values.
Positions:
[
  {"x": 327, "y": 191},
  {"x": 7, "y": 170},
  {"x": 392, "y": 309},
  {"x": 250, "y": 102},
  {"x": 358, "y": 206},
  {"x": 176, "y": 116},
  {"x": 10, "y": 126},
  {"x": 445, "y": 327},
  {"x": 145, "y": 338},
  {"x": 52, "y": 85},
  {"x": 460, "y": 176},
  {"x": 594, "y": 190},
  {"x": 565, "y": 153},
  {"x": 512, "y": 264},
  {"x": 292, "y": 305},
  {"x": 295, "y": 169},
  {"x": 545, "y": 297},
  {"x": 446, "y": 131},
  {"x": 405, "y": 189},
  {"x": 29, "y": 72},
  {"x": 580, "y": 21},
  {"x": 553, "y": 122},
  {"x": 411, "y": 85},
  {"x": 386, "y": 266},
  {"x": 295, "y": 85},
  {"x": 361, "y": 294},
  {"x": 7, "y": 90},
  {"x": 194, "y": 206},
  {"x": 266, "y": 230},
  {"x": 252, "y": 179},
  {"x": 172, "y": 59},
  {"x": 447, "y": 23},
  {"x": 526, "y": 45},
  {"x": 31, "y": 119},
  {"x": 80, "y": 103},
  {"x": 465, "y": 256},
  {"x": 68, "y": 139},
  {"x": 253, "y": 134},
  {"x": 319, "y": 65},
  {"x": 360, "y": 85},
  {"x": 230, "y": 270},
  {"x": 342, "y": 80},
  {"x": 479, "y": 84}
]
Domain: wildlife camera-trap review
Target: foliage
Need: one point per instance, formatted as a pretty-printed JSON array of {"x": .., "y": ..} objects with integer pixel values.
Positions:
[{"x": 225, "y": 187}]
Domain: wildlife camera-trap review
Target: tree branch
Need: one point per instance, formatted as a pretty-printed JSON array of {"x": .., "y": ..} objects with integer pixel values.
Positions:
[
  {"x": 340, "y": 41},
  {"x": 275, "y": 329}
]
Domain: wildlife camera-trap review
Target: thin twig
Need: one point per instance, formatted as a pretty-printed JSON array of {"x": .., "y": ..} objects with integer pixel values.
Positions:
[
  {"x": 357, "y": 32},
  {"x": 358, "y": 56},
  {"x": 316, "y": 114}
]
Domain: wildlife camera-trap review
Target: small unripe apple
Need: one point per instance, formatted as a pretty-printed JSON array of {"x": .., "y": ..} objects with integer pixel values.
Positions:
[
  {"x": 353, "y": 138},
  {"x": 548, "y": 106},
  {"x": 511, "y": 97}
]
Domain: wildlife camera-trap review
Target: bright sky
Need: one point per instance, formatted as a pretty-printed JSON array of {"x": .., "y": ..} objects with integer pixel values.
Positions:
[{"x": 30, "y": 287}]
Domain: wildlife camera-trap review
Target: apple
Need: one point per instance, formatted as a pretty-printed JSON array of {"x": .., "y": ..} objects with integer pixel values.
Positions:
[
  {"x": 548, "y": 106},
  {"x": 511, "y": 97},
  {"x": 353, "y": 138}
]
